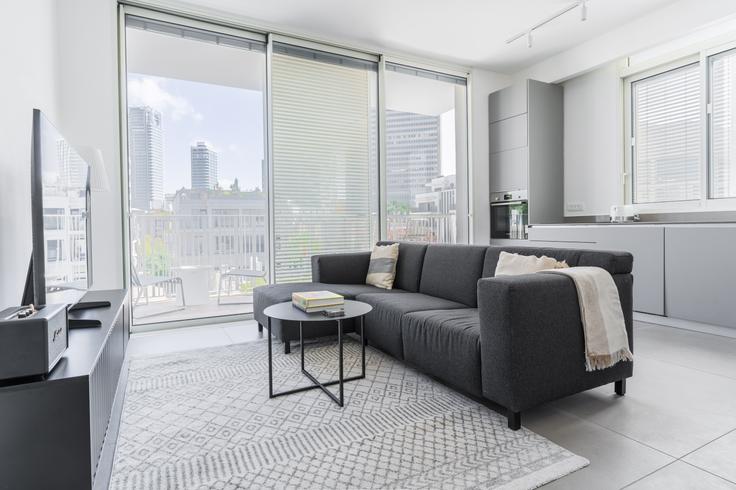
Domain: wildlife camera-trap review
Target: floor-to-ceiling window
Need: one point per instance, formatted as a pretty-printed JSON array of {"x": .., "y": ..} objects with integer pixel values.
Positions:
[
  {"x": 196, "y": 158},
  {"x": 426, "y": 155},
  {"x": 324, "y": 122},
  {"x": 221, "y": 201}
]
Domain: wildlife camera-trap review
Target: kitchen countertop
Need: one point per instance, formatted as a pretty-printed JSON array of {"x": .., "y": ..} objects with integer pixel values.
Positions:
[{"x": 638, "y": 223}]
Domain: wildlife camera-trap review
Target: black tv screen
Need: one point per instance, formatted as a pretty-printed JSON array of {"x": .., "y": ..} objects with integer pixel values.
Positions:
[{"x": 60, "y": 195}]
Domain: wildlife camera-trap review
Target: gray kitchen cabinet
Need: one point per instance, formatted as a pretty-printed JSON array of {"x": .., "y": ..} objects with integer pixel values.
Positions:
[
  {"x": 509, "y": 170},
  {"x": 646, "y": 243},
  {"x": 507, "y": 102},
  {"x": 509, "y": 134},
  {"x": 700, "y": 279},
  {"x": 525, "y": 145}
]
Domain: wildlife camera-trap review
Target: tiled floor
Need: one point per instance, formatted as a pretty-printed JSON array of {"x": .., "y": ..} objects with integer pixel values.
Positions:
[{"x": 675, "y": 428}]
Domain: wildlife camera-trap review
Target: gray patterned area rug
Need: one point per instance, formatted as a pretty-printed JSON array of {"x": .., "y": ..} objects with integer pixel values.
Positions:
[{"x": 203, "y": 419}]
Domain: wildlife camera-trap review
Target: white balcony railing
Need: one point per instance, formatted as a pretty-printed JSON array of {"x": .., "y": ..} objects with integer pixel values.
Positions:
[{"x": 422, "y": 227}]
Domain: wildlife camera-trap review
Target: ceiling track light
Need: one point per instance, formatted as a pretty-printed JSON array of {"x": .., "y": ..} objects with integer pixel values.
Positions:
[{"x": 583, "y": 4}]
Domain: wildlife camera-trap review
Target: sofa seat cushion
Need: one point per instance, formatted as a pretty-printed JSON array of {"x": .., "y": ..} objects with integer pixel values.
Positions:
[
  {"x": 383, "y": 324},
  {"x": 445, "y": 344},
  {"x": 265, "y": 296}
]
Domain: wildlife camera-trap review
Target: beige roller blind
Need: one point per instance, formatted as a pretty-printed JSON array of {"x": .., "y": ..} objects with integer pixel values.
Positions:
[{"x": 324, "y": 157}]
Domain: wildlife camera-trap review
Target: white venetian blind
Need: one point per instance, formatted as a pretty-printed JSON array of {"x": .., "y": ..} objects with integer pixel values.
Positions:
[
  {"x": 722, "y": 125},
  {"x": 324, "y": 156},
  {"x": 666, "y": 128}
]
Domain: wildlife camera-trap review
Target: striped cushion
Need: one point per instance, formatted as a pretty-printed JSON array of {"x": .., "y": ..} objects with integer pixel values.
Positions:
[{"x": 382, "y": 267}]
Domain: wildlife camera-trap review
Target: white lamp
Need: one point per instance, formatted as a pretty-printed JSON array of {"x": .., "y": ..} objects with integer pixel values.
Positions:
[{"x": 98, "y": 174}]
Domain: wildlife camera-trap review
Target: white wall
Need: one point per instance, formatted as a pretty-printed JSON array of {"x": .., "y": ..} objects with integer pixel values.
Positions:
[
  {"x": 28, "y": 81},
  {"x": 593, "y": 141},
  {"x": 483, "y": 83},
  {"x": 88, "y": 116}
]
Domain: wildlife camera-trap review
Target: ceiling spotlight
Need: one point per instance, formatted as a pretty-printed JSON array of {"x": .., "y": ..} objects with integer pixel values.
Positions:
[{"x": 583, "y": 4}]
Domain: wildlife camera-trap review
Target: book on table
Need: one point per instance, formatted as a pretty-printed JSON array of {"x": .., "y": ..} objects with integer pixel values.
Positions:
[{"x": 315, "y": 301}]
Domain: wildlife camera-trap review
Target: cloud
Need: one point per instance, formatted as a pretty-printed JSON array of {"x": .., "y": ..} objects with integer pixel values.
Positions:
[{"x": 148, "y": 91}]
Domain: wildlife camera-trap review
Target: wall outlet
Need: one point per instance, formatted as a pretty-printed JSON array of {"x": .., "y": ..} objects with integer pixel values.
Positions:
[{"x": 575, "y": 207}]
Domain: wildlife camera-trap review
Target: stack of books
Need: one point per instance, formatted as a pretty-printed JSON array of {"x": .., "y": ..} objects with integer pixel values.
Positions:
[{"x": 317, "y": 301}]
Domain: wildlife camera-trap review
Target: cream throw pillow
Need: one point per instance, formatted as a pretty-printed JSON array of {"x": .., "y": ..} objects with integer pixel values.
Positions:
[
  {"x": 516, "y": 264},
  {"x": 382, "y": 268}
]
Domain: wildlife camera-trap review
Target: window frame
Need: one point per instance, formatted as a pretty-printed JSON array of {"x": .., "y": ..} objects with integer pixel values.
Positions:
[
  {"x": 701, "y": 56},
  {"x": 214, "y": 22}
]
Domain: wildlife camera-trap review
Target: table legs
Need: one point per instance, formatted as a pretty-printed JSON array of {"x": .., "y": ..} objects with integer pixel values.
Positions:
[{"x": 340, "y": 400}]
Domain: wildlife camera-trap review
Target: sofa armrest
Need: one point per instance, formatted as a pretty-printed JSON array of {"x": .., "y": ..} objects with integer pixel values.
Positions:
[
  {"x": 342, "y": 268},
  {"x": 532, "y": 341}
]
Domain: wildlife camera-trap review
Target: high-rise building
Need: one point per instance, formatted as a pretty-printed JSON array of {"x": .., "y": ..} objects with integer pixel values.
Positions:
[
  {"x": 146, "y": 153},
  {"x": 73, "y": 171},
  {"x": 204, "y": 166},
  {"x": 412, "y": 155}
]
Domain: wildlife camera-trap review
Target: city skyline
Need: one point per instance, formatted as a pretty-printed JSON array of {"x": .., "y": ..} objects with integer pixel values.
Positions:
[{"x": 230, "y": 119}]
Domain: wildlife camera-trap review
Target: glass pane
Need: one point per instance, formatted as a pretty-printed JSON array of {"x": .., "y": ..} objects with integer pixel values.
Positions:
[
  {"x": 666, "y": 127},
  {"x": 198, "y": 221},
  {"x": 426, "y": 157},
  {"x": 723, "y": 125},
  {"x": 324, "y": 157}
]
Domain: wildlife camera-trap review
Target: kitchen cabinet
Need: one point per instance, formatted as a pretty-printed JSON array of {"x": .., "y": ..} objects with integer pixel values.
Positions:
[
  {"x": 700, "y": 277},
  {"x": 645, "y": 242}
]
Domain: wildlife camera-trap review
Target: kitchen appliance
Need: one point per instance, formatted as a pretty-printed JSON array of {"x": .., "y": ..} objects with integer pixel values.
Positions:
[
  {"x": 622, "y": 213},
  {"x": 509, "y": 215},
  {"x": 32, "y": 341}
]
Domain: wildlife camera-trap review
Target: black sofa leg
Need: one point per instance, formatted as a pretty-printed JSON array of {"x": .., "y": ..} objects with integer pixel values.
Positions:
[
  {"x": 260, "y": 328},
  {"x": 620, "y": 387},
  {"x": 514, "y": 419},
  {"x": 287, "y": 346}
]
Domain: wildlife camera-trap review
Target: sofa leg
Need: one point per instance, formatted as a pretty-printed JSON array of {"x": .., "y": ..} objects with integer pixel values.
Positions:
[
  {"x": 287, "y": 346},
  {"x": 260, "y": 328},
  {"x": 620, "y": 387},
  {"x": 514, "y": 419}
]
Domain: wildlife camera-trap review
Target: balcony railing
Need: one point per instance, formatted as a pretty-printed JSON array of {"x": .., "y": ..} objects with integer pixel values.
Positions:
[
  {"x": 422, "y": 227},
  {"x": 189, "y": 266}
]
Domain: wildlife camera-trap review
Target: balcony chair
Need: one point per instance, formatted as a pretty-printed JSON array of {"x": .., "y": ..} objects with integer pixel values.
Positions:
[
  {"x": 229, "y": 273},
  {"x": 142, "y": 282}
]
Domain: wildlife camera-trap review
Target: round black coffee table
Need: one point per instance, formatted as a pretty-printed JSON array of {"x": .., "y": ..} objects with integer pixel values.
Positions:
[{"x": 288, "y": 312}]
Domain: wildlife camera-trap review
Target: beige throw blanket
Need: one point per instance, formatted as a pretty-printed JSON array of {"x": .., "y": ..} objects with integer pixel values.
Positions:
[{"x": 606, "y": 340}]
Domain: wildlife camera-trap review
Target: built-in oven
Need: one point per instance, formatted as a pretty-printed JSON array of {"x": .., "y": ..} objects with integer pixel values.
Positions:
[{"x": 509, "y": 215}]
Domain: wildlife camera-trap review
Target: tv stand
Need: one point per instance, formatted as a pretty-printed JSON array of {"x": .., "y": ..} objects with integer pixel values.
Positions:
[{"x": 60, "y": 432}]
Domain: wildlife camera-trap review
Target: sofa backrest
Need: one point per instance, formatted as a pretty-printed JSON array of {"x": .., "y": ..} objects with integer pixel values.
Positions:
[
  {"x": 613, "y": 262},
  {"x": 409, "y": 265},
  {"x": 452, "y": 272}
]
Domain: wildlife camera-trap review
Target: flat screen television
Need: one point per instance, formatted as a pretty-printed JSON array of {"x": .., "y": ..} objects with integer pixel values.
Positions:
[{"x": 60, "y": 269}]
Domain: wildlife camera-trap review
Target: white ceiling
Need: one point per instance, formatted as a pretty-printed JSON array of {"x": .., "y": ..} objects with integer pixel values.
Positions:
[{"x": 466, "y": 32}]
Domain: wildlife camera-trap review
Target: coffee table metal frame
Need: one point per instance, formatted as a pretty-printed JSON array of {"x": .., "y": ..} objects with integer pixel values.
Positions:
[{"x": 339, "y": 400}]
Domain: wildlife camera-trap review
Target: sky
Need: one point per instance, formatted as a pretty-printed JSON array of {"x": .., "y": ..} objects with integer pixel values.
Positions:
[{"x": 229, "y": 118}]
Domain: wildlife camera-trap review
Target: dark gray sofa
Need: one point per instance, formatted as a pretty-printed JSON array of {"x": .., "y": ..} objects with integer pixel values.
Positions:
[{"x": 514, "y": 340}]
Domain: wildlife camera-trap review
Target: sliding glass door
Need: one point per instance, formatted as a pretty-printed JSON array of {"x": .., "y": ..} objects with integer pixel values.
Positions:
[
  {"x": 248, "y": 157},
  {"x": 324, "y": 123},
  {"x": 426, "y": 156},
  {"x": 196, "y": 159}
]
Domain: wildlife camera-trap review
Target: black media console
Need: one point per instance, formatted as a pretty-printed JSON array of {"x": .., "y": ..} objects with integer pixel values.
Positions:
[{"x": 60, "y": 432}]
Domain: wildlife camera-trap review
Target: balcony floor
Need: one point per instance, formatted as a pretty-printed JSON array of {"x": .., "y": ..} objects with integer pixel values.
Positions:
[{"x": 170, "y": 310}]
